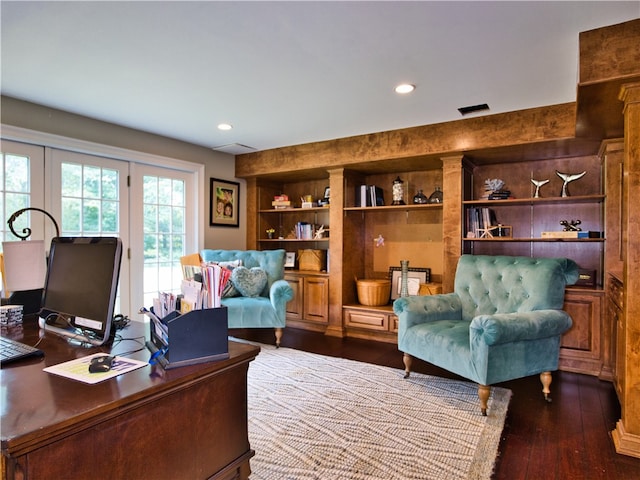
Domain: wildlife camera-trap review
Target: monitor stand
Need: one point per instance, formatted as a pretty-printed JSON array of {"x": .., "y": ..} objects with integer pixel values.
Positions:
[{"x": 71, "y": 333}]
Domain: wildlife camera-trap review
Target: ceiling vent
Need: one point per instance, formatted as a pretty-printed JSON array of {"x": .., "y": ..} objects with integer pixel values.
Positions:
[
  {"x": 473, "y": 109},
  {"x": 234, "y": 148}
]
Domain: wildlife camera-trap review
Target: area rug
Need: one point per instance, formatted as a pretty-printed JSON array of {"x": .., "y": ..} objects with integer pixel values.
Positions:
[{"x": 325, "y": 418}]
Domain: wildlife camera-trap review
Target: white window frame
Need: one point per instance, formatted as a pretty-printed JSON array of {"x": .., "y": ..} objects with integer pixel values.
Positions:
[{"x": 195, "y": 170}]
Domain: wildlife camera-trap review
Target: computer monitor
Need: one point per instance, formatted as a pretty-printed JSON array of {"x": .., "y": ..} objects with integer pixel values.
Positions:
[{"x": 80, "y": 288}]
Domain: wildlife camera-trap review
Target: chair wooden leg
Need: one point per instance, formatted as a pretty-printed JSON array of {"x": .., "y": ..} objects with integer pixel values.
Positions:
[
  {"x": 278, "y": 337},
  {"x": 545, "y": 378},
  {"x": 407, "y": 359},
  {"x": 483, "y": 394}
]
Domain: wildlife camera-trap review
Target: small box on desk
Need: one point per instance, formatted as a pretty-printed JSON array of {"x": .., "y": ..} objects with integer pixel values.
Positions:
[{"x": 197, "y": 336}]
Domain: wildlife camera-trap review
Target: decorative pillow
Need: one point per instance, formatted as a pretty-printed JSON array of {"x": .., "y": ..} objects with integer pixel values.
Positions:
[
  {"x": 229, "y": 289},
  {"x": 249, "y": 282}
]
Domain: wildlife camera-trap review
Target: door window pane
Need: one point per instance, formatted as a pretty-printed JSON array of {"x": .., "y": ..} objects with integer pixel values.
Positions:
[
  {"x": 164, "y": 234},
  {"x": 90, "y": 200},
  {"x": 15, "y": 193}
]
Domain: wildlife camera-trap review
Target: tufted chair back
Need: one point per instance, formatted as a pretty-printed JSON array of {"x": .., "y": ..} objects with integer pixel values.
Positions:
[
  {"x": 505, "y": 284},
  {"x": 271, "y": 261}
]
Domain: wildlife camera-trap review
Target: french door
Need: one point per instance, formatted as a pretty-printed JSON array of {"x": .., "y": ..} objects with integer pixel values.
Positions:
[
  {"x": 21, "y": 186},
  {"x": 165, "y": 228},
  {"x": 153, "y": 209},
  {"x": 89, "y": 196}
]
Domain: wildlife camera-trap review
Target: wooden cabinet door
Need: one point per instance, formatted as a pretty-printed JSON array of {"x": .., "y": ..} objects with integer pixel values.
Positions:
[
  {"x": 316, "y": 299},
  {"x": 294, "y": 306},
  {"x": 581, "y": 347}
]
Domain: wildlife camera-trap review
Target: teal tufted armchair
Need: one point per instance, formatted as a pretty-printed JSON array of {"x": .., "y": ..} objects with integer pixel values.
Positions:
[
  {"x": 269, "y": 308},
  {"x": 503, "y": 321}
]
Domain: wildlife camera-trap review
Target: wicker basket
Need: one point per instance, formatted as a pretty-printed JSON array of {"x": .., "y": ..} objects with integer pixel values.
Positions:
[
  {"x": 373, "y": 292},
  {"x": 312, "y": 260},
  {"x": 430, "y": 289}
]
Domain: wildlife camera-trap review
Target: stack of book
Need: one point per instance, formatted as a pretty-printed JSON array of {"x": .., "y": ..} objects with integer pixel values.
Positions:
[
  {"x": 571, "y": 234},
  {"x": 478, "y": 219},
  {"x": 304, "y": 231},
  {"x": 281, "y": 201},
  {"x": 369, "y": 196},
  {"x": 500, "y": 195}
]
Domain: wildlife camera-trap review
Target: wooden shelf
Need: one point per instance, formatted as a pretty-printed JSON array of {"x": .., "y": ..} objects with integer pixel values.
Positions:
[
  {"x": 388, "y": 308},
  {"x": 535, "y": 240},
  {"x": 295, "y": 240},
  {"x": 538, "y": 201},
  {"x": 395, "y": 207},
  {"x": 295, "y": 210}
]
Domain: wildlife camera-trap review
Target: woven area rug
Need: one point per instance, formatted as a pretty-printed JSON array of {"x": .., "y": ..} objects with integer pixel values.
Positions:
[{"x": 325, "y": 418}]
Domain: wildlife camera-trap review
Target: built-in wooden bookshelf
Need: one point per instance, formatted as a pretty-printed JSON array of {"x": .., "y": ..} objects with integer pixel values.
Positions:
[{"x": 459, "y": 156}]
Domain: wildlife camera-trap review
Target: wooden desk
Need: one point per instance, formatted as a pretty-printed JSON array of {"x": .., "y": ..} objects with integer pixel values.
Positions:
[{"x": 186, "y": 423}]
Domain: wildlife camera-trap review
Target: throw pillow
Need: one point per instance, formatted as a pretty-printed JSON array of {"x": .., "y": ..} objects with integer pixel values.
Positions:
[
  {"x": 249, "y": 281},
  {"x": 229, "y": 289}
]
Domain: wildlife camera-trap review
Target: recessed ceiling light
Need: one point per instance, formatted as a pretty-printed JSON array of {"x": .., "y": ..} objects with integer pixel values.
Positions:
[
  {"x": 405, "y": 88},
  {"x": 225, "y": 126}
]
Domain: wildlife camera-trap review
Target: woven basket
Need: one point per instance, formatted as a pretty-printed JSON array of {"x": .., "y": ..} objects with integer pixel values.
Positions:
[
  {"x": 312, "y": 260},
  {"x": 373, "y": 292},
  {"x": 430, "y": 289}
]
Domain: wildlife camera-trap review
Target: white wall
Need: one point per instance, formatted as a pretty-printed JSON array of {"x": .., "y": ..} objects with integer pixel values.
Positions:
[{"x": 218, "y": 165}]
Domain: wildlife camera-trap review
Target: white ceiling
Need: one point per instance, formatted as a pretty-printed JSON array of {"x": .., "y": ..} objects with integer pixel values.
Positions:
[{"x": 285, "y": 73}]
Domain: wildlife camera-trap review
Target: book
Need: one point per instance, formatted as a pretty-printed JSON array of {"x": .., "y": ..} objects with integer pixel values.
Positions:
[
  {"x": 376, "y": 196},
  {"x": 560, "y": 234}
]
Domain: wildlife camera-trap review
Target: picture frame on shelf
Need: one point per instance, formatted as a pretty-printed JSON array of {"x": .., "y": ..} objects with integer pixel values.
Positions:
[
  {"x": 290, "y": 260},
  {"x": 224, "y": 203},
  {"x": 415, "y": 276},
  {"x": 326, "y": 199}
]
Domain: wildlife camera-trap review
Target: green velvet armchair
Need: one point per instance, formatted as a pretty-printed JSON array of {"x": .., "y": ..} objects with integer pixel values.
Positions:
[
  {"x": 503, "y": 321},
  {"x": 268, "y": 308}
]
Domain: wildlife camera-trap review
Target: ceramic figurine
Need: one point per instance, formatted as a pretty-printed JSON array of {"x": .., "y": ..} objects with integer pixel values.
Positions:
[
  {"x": 538, "y": 184},
  {"x": 568, "y": 177}
]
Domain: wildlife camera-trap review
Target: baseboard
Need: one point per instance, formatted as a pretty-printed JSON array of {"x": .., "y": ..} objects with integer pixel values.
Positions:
[{"x": 625, "y": 443}]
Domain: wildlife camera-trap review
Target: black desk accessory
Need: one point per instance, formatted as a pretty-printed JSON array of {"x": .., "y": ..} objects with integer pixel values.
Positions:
[{"x": 197, "y": 336}]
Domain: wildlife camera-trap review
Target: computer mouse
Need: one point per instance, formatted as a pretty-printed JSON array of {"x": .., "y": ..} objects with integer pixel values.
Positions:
[{"x": 101, "y": 364}]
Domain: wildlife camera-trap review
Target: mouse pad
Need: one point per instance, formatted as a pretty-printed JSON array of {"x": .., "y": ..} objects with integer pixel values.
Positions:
[{"x": 78, "y": 369}]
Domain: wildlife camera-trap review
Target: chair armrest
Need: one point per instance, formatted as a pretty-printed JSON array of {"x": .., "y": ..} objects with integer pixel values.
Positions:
[
  {"x": 279, "y": 294},
  {"x": 511, "y": 327},
  {"x": 413, "y": 310}
]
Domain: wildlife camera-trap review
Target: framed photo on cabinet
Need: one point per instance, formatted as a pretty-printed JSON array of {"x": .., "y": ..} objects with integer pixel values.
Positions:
[
  {"x": 224, "y": 203},
  {"x": 290, "y": 260},
  {"x": 415, "y": 276}
]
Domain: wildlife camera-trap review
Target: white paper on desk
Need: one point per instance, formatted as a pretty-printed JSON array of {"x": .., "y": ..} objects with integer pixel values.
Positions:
[
  {"x": 24, "y": 265},
  {"x": 78, "y": 369}
]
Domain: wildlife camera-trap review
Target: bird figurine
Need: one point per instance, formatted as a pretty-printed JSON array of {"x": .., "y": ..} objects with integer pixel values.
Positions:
[
  {"x": 538, "y": 184},
  {"x": 568, "y": 177}
]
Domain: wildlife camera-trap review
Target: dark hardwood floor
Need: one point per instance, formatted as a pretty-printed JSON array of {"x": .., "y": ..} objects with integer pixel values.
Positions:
[{"x": 567, "y": 439}]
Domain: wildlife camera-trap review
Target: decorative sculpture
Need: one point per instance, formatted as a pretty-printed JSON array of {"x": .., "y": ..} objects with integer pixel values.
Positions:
[
  {"x": 397, "y": 191},
  {"x": 404, "y": 278},
  {"x": 538, "y": 184},
  {"x": 568, "y": 177},
  {"x": 571, "y": 226}
]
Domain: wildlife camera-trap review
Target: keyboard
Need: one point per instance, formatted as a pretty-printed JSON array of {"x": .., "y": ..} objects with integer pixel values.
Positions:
[{"x": 12, "y": 350}]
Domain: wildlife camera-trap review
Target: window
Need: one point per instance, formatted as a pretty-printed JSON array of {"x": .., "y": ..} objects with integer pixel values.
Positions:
[
  {"x": 107, "y": 193},
  {"x": 21, "y": 176}
]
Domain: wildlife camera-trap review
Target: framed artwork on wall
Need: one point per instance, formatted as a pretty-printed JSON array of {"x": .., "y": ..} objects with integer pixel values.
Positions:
[{"x": 224, "y": 203}]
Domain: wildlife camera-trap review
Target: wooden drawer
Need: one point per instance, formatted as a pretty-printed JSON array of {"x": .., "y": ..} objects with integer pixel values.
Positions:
[{"x": 370, "y": 320}]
